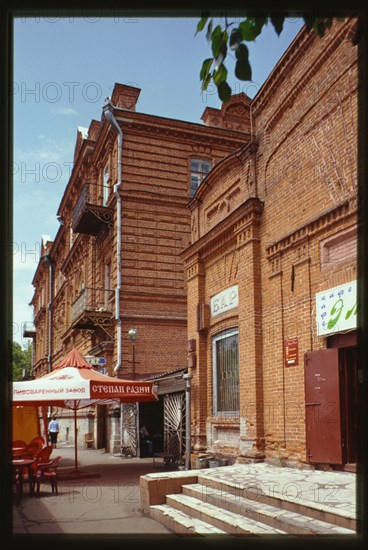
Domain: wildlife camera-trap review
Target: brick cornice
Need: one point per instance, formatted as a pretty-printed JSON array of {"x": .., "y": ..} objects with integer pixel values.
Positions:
[
  {"x": 290, "y": 58},
  {"x": 226, "y": 231},
  {"x": 310, "y": 229},
  {"x": 152, "y": 124}
]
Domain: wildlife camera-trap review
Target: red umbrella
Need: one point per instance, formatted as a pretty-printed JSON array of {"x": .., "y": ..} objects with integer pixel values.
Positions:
[{"x": 74, "y": 384}]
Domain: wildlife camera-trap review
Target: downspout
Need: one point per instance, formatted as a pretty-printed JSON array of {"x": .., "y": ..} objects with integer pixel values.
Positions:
[
  {"x": 108, "y": 111},
  {"x": 49, "y": 307}
]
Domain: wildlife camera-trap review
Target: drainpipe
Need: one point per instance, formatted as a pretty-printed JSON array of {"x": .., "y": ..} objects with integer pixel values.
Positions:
[
  {"x": 108, "y": 111},
  {"x": 49, "y": 307}
]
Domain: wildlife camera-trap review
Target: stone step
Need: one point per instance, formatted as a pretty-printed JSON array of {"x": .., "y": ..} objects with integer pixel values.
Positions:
[
  {"x": 230, "y": 522},
  {"x": 180, "y": 523},
  {"x": 316, "y": 510},
  {"x": 290, "y": 522}
]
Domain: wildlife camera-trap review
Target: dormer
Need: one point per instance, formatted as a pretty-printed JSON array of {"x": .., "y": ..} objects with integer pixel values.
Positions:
[
  {"x": 82, "y": 134},
  {"x": 233, "y": 115}
]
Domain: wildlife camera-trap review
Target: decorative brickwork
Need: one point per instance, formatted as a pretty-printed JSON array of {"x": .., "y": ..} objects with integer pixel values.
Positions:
[{"x": 278, "y": 218}]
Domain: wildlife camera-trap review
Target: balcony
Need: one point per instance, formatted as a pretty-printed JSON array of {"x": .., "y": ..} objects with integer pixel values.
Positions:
[
  {"x": 93, "y": 308},
  {"x": 88, "y": 218},
  {"x": 29, "y": 330}
]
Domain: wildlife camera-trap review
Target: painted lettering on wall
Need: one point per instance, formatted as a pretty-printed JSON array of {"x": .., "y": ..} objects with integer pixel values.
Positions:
[
  {"x": 337, "y": 308},
  {"x": 225, "y": 300}
]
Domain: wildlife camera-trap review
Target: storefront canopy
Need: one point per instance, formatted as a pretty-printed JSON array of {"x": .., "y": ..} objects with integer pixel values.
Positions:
[
  {"x": 74, "y": 384},
  {"x": 75, "y": 380}
]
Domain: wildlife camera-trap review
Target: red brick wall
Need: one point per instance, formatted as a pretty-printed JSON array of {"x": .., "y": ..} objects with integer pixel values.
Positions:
[
  {"x": 155, "y": 227},
  {"x": 304, "y": 172}
]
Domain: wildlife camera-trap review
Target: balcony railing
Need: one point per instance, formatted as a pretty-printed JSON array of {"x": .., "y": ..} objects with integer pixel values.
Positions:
[
  {"x": 29, "y": 330},
  {"x": 88, "y": 217},
  {"x": 93, "y": 308}
]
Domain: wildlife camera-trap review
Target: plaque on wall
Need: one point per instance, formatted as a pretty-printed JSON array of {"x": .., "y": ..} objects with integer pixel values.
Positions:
[{"x": 291, "y": 352}]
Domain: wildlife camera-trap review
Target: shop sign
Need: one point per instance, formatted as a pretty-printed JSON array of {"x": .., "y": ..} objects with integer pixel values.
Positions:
[
  {"x": 96, "y": 361},
  {"x": 336, "y": 309},
  {"x": 225, "y": 300},
  {"x": 291, "y": 352}
]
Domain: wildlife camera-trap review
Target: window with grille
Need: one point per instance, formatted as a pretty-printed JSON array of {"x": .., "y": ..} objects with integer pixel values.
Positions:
[
  {"x": 225, "y": 349},
  {"x": 106, "y": 188},
  {"x": 198, "y": 171}
]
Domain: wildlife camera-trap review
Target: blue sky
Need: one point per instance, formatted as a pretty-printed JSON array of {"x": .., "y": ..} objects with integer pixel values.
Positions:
[{"x": 64, "y": 68}]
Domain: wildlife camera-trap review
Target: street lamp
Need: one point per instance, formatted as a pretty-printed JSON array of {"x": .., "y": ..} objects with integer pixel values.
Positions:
[{"x": 133, "y": 335}]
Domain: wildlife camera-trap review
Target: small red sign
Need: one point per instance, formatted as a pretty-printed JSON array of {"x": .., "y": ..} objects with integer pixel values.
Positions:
[{"x": 291, "y": 352}]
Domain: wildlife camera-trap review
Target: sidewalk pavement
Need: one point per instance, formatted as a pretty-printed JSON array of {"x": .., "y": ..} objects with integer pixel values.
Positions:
[{"x": 103, "y": 498}]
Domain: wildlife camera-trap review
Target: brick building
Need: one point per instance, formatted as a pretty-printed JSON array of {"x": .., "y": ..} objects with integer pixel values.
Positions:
[
  {"x": 272, "y": 270},
  {"x": 114, "y": 264}
]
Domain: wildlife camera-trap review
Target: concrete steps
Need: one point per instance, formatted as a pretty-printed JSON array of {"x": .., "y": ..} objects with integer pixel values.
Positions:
[
  {"x": 182, "y": 523},
  {"x": 217, "y": 503},
  {"x": 310, "y": 511},
  {"x": 225, "y": 520},
  {"x": 273, "y": 516}
]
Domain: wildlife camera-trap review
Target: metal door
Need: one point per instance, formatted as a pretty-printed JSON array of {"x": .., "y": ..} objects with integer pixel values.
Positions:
[
  {"x": 174, "y": 423},
  {"x": 101, "y": 426},
  {"x": 322, "y": 406},
  {"x": 130, "y": 440}
]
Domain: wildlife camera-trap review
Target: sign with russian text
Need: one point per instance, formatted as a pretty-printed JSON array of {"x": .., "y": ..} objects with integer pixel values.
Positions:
[
  {"x": 336, "y": 309},
  {"x": 291, "y": 349},
  {"x": 225, "y": 300}
]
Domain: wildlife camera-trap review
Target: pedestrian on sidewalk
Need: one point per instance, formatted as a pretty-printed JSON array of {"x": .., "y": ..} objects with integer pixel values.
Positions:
[{"x": 53, "y": 430}]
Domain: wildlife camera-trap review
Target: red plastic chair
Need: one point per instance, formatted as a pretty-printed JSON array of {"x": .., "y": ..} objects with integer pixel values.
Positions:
[
  {"x": 19, "y": 443},
  {"x": 48, "y": 470},
  {"x": 39, "y": 438},
  {"x": 42, "y": 457},
  {"x": 32, "y": 449}
]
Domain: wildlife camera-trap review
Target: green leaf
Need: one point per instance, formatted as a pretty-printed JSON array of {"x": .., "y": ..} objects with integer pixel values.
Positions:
[
  {"x": 201, "y": 24},
  {"x": 247, "y": 29},
  {"x": 209, "y": 30},
  {"x": 309, "y": 22},
  {"x": 252, "y": 27},
  {"x": 319, "y": 27},
  {"x": 259, "y": 23},
  {"x": 216, "y": 39},
  {"x": 235, "y": 38},
  {"x": 278, "y": 23},
  {"x": 220, "y": 75},
  {"x": 243, "y": 70},
  {"x": 242, "y": 52},
  {"x": 224, "y": 91},
  {"x": 206, "y": 81},
  {"x": 206, "y": 65}
]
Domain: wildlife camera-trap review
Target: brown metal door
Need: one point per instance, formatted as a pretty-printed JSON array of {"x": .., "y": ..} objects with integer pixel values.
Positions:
[{"x": 322, "y": 406}]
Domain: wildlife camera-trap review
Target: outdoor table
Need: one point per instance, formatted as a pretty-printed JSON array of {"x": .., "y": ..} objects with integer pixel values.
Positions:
[{"x": 19, "y": 464}]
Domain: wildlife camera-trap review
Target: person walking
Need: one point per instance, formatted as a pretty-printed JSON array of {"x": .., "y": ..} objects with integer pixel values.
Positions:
[{"x": 53, "y": 430}]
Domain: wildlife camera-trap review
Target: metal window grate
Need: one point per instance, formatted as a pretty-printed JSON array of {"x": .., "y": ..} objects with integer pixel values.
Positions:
[{"x": 226, "y": 363}]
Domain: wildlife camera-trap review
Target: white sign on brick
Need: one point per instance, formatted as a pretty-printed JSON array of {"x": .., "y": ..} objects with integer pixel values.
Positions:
[
  {"x": 225, "y": 300},
  {"x": 336, "y": 309}
]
